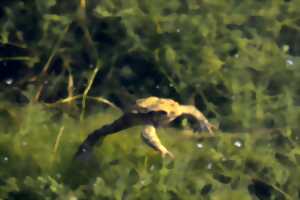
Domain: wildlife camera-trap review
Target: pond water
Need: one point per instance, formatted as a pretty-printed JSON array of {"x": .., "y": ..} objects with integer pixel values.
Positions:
[{"x": 68, "y": 68}]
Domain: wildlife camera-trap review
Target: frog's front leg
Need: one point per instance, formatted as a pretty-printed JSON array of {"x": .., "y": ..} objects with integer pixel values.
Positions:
[{"x": 150, "y": 137}]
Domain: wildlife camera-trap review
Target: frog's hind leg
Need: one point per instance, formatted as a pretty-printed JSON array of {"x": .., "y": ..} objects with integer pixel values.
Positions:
[{"x": 150, "y": 137}]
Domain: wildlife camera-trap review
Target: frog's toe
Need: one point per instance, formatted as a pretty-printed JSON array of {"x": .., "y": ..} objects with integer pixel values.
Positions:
[
  {"x": 168, "y": 154},
  {"x": 204, "y": 127}
]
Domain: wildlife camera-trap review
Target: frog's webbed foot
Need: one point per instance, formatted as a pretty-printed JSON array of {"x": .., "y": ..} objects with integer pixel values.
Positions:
[
  {"x": 150, "y": 137},
  {"x": 203, "y": 126},
  {"x": 201, "y": 123}
]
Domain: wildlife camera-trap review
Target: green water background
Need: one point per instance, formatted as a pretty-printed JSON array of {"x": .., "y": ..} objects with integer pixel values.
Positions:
[{"x": 64, "y": 63}]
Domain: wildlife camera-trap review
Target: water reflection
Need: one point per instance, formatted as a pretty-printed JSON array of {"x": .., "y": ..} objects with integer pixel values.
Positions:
[
  {"x": 5, "y": 158},
  {"x": 209, "y": 166},
  {"x": 199, "y": 145},
  {"x": 9, "y": 81},
  {"x": 289, "y": 62},
  {"x": 238, "y": 144}
]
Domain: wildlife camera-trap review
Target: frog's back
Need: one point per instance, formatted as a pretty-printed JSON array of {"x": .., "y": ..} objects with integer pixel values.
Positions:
[{"x": 155, "y": 104}]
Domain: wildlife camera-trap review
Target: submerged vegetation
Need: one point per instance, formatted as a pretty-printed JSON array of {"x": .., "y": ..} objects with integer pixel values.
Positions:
[
  {"x": 67, "y": 66},
  {"x": 36, "y": 163}
]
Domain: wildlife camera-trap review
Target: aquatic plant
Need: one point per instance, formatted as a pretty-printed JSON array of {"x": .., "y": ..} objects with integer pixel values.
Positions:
[{"x": 237, "y": 61}]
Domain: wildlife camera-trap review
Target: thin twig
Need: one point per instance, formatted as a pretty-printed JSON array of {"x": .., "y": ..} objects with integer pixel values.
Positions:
[
  {"x": 87, "y": 89},
  {"x": 206, "y": 102},
  {"x": 57, "y": 141},
  {"x": 50, "y": 59},
  {"x": 54, "y": 50},
  {"x": 94, "y": 53},
  {"x": 70, "y": 84},
  {"x": 23, "y": 58},
  {"x": 73, "y": 98}
]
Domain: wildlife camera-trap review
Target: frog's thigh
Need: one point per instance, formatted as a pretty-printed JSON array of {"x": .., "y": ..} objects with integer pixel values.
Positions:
[{"x": 150, "y": 137}]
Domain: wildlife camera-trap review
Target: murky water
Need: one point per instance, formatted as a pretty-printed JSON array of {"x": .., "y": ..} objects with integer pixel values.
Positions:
[{"x": 67, "y": 68}]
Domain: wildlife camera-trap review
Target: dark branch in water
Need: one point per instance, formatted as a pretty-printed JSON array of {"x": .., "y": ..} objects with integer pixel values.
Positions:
[{"x": 124, "y": 122}]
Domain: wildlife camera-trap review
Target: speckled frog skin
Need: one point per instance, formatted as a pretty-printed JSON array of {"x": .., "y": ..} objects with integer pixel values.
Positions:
[{"x": 151, "y": 113}]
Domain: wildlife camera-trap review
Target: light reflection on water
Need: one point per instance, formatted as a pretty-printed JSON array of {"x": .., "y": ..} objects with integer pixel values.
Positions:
[
  {"x": 289, "y": 62},
  {"x": 209, "y": 166},
  {"x": 5, "y": 158},
  {"x": 9, "y": 81},
  {"x": 200, "y": 145},
  {"x": 238, "y": 144}
]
